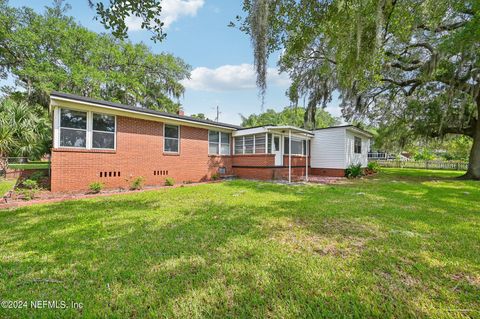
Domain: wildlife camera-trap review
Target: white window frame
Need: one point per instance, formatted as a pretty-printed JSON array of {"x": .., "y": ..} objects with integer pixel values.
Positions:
[
  {"x": 172, "y": 138},
  {"x": 93, "y": 131},
  {"x": 219, "y": 133},
  {"x": 361, "y": 146},
  {"x": 89, "y": 131}
]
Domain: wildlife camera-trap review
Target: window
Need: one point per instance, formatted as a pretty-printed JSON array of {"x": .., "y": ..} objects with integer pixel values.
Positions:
[
  {"x": 85, "y": 130},
  {"x": 224, "y": 144},
  {"x": 238, "y": 145},
  {"x": 103, "y": 135},
  {"x": 269, "y": 143},
  {"x": 260, "y": 144},
  {"x": 248, "y": 142},
  {"x": 251, "y": 144},
  {"x": 298, "y": 146},
  {"x": 218, "y": 143},
  {"x": 73, "y": 128},
  {"x": 357, "y": 145},
  {"x": 171, "y": 138}
]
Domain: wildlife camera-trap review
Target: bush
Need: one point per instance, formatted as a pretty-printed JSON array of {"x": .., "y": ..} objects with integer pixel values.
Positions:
[
  {"x": 354, "y": 171},
  {"x": 373, "y": 167},
  {"x": 37, "y": 176},
  {"x": 29, "y": 189},
  {"x": 137, "y": 183},
  {"x": 30, "y": 184},
  {"x": 169, "y": 181},
  {"x": 215, "y": 176},
  {"x": 95, "y": 187}
]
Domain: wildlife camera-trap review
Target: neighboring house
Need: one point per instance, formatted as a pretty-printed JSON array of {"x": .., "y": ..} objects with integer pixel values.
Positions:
[
  {"x": 113, "y": 143},
  {"x": 335, "y": 148}
]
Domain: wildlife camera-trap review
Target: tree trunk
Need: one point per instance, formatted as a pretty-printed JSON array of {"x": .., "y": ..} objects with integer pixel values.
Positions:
[{"x": 473, "y": 171}]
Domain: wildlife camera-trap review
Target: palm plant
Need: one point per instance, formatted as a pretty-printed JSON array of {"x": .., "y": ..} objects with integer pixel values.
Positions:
[{"x": 24, "y": 129}]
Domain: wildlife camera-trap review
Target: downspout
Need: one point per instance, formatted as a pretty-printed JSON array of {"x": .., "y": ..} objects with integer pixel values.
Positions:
[
  {"x": 290, "y": 156},
  {"x": 306, "y": 158}
]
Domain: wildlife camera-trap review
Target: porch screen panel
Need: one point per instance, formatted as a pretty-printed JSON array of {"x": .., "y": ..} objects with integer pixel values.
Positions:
[
  {"x": 260, "y": 143},
  {"x": 297, "y": 146},
  {"x": 239, "y": 145},
  {"x": 269, "y": 143},
  {"x": 249, "y": 144}
]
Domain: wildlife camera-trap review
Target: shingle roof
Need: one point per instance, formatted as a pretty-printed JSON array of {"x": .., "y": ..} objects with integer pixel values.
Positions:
[{"x": 140, "y": 109}]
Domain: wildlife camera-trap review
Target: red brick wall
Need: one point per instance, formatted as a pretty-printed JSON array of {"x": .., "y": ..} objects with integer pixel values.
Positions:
[
  {"x": 268, "y": 172},
  {"x": 139, "y": 153},
  {"x": 254, "y": 160}
]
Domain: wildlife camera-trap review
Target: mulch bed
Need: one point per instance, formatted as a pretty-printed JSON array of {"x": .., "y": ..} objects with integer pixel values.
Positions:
[{"x": 45, "y": 197}]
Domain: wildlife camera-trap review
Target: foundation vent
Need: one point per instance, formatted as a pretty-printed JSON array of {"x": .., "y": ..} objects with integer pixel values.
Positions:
[{"x": 110, "y": 174}]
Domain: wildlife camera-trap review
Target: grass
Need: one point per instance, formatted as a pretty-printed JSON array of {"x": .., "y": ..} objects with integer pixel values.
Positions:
[
  {"x": 30, "y": 165},
  {"x": 404, "y": 243},
  {"x": 6, "y": 185}
]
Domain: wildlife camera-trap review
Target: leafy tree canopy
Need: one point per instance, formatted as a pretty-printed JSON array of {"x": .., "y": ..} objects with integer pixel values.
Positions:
[
  {"x": 114, "y": 15},
  {"x": 50, "y": 51},
  {"x": 288, "y": 116},
  {"x": 413, "y": 65}
]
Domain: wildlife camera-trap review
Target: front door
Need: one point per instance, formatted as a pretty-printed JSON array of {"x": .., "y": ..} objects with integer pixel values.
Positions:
[{"x": 277, "y": 150}]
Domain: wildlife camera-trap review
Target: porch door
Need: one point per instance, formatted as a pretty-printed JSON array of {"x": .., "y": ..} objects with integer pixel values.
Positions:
[{"x": 277, "y": 150}]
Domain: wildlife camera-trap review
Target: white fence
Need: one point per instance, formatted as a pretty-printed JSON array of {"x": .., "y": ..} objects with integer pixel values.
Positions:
[{"x": 448, "y": 165}]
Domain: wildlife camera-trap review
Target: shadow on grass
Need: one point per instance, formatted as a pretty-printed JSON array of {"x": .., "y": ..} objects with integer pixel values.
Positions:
[{"x": 252, "y": 250}]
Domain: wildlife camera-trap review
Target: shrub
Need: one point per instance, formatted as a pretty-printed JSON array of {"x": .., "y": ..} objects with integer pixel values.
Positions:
[
  {"x": 95, "y": 187},
  {"x": 30, "y": 184},
  {"x": 137, "y": 183},
  {"x": 373, "y": 167},
  {"x": 215, "y": 176},
  {"x": 37, "y": 176},
  {"x": 354, "y": 171},
  {"x": 169, "y": 181},
  {"x": 29, "y": 189}
]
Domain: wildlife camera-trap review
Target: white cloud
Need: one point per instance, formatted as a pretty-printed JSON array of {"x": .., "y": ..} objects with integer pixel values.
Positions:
[
  {"x": 231, "y": 78},
  {"x": 172, "y": 10}
]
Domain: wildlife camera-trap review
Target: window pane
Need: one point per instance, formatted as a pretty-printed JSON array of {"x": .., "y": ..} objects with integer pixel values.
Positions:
[
  {"x": 249, "y": 144},
  {"x": 286, "y": 145},
  {"x": 269, "y": 143},
  {"x": 260, "y": 144},
  {"x": 73, "y": 119},
  {"x": 213, "y": 148},
  {"x": 171, "y": 131},
  {"x": 225, "y": 138},
  {"x": 171, "y": 145},
  {"x": 102, "y": 122},
  {"x": 72, "y": 138},
  {"x": 357, "y": 146},
  {"x": 103, "y": 140},
  {"x": 239, "y": 145},
  {"x": 297, "y": 147},
  {"x": 213, "y": 136},
  {"x": 225, "y": 149}
]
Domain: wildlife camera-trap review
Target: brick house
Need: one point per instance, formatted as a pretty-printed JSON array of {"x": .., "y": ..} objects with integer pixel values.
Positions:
[{"x": 112, "y": 143}]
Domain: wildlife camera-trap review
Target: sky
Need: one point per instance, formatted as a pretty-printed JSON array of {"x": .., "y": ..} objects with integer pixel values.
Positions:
[{"x": 221, "y": 57}]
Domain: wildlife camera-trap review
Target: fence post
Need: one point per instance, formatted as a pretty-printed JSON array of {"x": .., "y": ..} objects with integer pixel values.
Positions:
[{"x": 426, "y": 164}]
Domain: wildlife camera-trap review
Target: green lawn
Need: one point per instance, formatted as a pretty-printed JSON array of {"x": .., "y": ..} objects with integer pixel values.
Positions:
[
  {"x": 405, "y": 243},
  {"x": 6, "y": 185},
  {"x": 31, "y": 165}
]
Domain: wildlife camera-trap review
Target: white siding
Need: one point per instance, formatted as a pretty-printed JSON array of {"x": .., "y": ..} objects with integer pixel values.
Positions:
[
  {"x": 328, "y": 148},
  {"x": 351, "y": 157}
]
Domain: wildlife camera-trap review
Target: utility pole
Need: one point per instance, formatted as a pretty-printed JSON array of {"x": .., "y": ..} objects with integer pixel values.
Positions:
[{"x": 218, "y": 114}]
